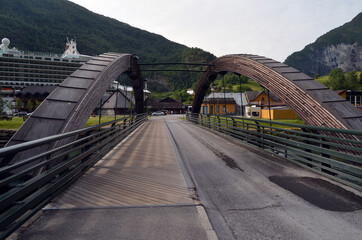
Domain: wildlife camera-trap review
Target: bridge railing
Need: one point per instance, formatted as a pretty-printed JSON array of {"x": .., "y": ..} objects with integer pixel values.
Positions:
[
  {"x": 28, "y": 185},
  {"x": 335, "y": 153}
]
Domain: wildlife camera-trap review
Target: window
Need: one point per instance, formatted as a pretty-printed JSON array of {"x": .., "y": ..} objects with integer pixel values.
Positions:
[{"x": 205, "y": 110}]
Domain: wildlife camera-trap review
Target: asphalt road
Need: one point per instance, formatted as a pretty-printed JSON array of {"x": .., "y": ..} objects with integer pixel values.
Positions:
[{"x": 248, "y": 194}]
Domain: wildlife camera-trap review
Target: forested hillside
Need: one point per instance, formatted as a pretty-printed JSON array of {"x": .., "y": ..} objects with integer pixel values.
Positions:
[{"x": 43, "y": 25}]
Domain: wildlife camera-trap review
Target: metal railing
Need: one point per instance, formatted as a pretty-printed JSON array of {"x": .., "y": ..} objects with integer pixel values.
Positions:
[
  {"x": 28, "y": 185},
  {"x": 334, "y": 153}
]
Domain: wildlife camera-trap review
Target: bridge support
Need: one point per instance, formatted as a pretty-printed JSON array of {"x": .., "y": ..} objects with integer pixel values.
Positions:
[
  {"x": 70, "y": 105},
  {"x": 312, "y": 101}
]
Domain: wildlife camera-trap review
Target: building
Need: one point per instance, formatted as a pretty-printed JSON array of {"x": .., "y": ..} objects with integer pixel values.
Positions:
[
  {"x": 354, "y": 97},
  {"x": 258, "y": 106},
  {"x": 218, "y": 106},
  {"x": 253, "y": 104},
  {"x": 118, "y": 100},
  {"x": 278, "y": 113},
  {"x": 34, "y": 94},
  {"x": 261, "y": 99},
  {"x": 172, "y": 106},
  {"x": 217, "y": 98}
]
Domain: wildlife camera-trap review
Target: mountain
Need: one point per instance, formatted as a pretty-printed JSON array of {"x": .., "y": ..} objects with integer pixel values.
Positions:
[
  {"x": 339, "y": 48},
  {"x": 43, "y": 25}
]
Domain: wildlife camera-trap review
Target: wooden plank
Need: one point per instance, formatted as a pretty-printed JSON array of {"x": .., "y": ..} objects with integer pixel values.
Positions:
[{"x": 143, "y": 170}]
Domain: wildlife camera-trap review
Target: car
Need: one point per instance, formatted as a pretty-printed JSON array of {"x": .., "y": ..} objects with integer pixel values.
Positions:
[
  {"x": 158, "y": 113},
  {"x": 27, "y": 116},
  {"x": 21, "y": 114}
]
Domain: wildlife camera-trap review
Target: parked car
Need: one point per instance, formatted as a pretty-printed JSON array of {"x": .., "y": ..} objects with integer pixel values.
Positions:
[
  {"x": 158, "y": 113},
  {"x": 27, "y": 116},
  {"x": 20, "y": 114}
]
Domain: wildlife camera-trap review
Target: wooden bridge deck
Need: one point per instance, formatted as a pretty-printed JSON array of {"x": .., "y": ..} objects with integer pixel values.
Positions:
[{"x": 141, "y": 170}]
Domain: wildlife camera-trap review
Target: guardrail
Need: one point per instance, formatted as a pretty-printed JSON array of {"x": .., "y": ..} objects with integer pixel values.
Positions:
[
  {"x": 27, "y": 186},
  {"x": 334, "y": 153}
]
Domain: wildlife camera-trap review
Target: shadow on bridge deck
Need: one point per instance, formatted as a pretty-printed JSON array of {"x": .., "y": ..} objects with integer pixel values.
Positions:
[
  {"x": 137, "y": 191},
  {"x": 143, "y": 170}
]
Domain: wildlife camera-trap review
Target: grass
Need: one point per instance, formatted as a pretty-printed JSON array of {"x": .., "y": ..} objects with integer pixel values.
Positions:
[
  {"x": 323, "y": 79},
  {"x": 95, "y": 120},
  {"x": 253, "y": 85},
  {"x": 294, "y": 121},
  {"x": 274, "y": 122},
  {"x": 16, "y": 123}
]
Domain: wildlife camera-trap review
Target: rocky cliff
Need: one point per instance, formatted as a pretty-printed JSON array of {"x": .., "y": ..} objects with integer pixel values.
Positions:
[{"x": 339, "y": 48}]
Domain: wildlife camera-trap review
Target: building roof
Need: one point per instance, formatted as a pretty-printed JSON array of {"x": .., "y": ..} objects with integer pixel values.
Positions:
[
  {"x": 235, "y": 96},
  {"x": 219, "y": 100},
  {"x": 252, "y": 95},
  {"x": 166, "y": 103},
  {"x": 117, "y": 99},
  {"x": 339, "y": 92}
]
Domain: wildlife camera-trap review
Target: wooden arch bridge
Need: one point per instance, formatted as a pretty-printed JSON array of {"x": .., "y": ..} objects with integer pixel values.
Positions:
[
  {"x": 52, "y": 149},
  {"x": 69, "y": 106}
]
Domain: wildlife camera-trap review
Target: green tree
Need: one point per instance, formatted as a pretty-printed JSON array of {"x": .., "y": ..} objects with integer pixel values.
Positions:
[
  {"x": 244, "y": 79},
  {"x": 18, "y": 104},
  {"x": 336, "y": 79},
  {"x": 37, "y": 103},
  {"x": 352, "y": 80},
  {"x": 29, "y": 105},
  {"x": 316, "y": 76},
  {"x": 359, "y": 78},
  {"x": 131, "y": 107}
]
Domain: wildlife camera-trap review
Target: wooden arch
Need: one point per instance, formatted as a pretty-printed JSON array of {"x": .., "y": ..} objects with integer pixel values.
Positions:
[
  {"x": 312, "y": 101},
  {"x": 70, "y": 105}
]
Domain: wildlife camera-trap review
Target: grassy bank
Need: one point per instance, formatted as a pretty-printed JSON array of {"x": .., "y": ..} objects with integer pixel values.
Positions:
[
  {"x": 13, "y": 124},
  {"x": 16, "y": 122}
]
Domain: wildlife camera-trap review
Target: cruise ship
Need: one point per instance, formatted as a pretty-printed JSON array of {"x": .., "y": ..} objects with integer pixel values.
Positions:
[
  {"x": 33, "y": 75},
  {"x": 19, "y": 69}
]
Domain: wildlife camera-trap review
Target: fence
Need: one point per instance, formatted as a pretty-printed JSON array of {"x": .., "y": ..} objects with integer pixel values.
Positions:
[
  {"x": 335, "y": 153},
  {"x": 28, "y": 185}
]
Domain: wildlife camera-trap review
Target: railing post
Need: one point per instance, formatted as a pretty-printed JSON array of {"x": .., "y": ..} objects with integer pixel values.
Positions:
[
  {"x": 262, "y": 137},
  {"x": 234, "y": 122},
  {"x": 227, "y": 123},
  {"x": 307, "y": 150},
  {"x": 219, "y": 123},
  {"x": 124, "y": 123},
  {"x": 322, "y": 145},
  {"x": 258, "y": 130}
]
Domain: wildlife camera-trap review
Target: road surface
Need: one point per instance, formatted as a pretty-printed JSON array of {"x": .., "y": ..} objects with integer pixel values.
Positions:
[{"x": 249, "y": 194}]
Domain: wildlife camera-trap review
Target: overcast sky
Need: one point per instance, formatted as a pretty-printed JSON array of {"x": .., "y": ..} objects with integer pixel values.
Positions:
[{"x": 271, "y": 28}]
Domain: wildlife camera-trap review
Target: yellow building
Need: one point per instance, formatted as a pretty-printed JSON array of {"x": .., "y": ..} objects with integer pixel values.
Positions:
[
  {"x": 217, "y": 106},
  {"x": 279, "y": 114},
  {"x": 261, "y": 99}
]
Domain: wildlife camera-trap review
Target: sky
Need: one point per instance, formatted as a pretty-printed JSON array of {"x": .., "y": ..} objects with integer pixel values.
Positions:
[{"x": 270, "y": 28}]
